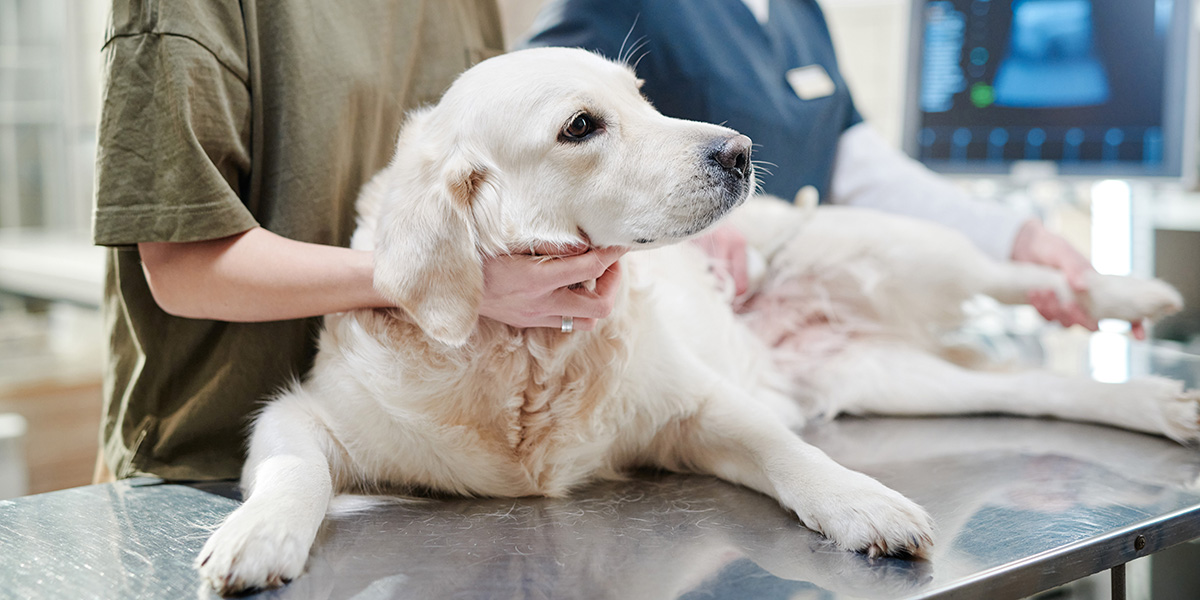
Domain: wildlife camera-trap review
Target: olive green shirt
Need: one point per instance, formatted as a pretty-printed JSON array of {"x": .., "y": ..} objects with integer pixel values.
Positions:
[{"x": 219, "y": 116}]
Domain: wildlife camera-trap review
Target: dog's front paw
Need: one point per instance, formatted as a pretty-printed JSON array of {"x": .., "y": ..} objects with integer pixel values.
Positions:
[
  {"x": 861, "y": 514},
  {"x": 253, "y": 549},
  {"x": 1131, "y": 299}
]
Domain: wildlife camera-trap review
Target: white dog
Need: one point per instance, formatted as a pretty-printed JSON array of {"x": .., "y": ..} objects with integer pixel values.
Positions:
[{"x": 558, "y": 146}]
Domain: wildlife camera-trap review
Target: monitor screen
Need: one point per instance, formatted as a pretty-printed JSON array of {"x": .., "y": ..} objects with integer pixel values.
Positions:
[{"x": 1096, "y": 87}]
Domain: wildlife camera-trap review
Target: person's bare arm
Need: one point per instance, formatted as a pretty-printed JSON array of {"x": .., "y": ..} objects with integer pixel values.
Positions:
[
  {"x": 261, "y": 276},
  {"x": 257, "y": 276}
]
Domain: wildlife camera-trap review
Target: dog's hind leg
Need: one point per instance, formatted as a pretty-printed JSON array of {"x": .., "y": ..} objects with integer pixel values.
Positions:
[
  {"x": 288, "y": 486},
  {"x": 890, "y": 378},
  {"x": 754, "y": 449},
  {"x": 910, "y": 271},
  {"x": 1107, "y": 296}
]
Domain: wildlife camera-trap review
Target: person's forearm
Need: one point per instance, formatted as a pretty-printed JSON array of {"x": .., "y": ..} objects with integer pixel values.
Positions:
[
  {"x": 257, "y": 276},
  {"x": 871, "y": 174}
]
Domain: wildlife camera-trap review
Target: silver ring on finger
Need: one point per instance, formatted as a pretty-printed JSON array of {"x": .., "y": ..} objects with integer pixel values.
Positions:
[{"x": 568, "y": 324}]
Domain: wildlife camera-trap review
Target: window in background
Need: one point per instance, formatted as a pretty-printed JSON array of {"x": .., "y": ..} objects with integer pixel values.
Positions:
[{"x": 49, "y": 98}]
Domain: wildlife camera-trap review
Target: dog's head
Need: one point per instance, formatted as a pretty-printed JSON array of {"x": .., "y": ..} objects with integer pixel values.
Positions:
[{"x": 543, "y": 146}]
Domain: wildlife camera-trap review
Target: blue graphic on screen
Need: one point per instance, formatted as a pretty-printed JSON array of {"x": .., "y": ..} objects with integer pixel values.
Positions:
[
  {"x": 1051, "y": 61},
  {"x": 1081, "y": 83},
  {"x": 943, "y": 45}
]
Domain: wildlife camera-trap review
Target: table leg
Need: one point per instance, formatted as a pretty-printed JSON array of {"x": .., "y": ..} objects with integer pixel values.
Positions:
[{"x": 1118, "y": 582}]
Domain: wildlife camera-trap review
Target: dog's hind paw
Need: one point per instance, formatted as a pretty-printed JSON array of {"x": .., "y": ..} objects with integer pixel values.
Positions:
[
  {"x": 1131, "y": 299},
  {"x": 252, "y": 551},
  {"x": 1181, "y": 414},
  {"x": 864, "y": 515}
]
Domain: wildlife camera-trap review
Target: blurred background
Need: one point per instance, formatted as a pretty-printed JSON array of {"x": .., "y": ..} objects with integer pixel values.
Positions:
[
  {"x": 51, "y": 340},
  {"x": 50, "y": 276}
]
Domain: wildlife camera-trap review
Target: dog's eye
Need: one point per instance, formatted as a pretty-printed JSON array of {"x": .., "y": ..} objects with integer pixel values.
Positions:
[{"x": 581, "y": 126}]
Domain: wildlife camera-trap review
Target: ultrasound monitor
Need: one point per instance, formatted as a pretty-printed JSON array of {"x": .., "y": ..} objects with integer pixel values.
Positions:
[{"x": 1093, "y": 87}]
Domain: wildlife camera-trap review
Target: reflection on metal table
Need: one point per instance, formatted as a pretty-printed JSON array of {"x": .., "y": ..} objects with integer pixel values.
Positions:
[{"x": 1021, "y": 505}]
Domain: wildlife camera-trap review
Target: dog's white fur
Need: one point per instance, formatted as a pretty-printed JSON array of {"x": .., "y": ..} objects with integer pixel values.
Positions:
[{"x": 433, "y": 397}]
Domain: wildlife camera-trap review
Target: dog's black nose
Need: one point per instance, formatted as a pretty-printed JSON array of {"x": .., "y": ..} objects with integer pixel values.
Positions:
[{"x": 733, "y": 155}]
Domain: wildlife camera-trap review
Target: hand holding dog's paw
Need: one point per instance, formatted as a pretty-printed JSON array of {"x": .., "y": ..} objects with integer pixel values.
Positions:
[
  {"x": 863, "y": 515},
  {"x": 253, "y": 549}
]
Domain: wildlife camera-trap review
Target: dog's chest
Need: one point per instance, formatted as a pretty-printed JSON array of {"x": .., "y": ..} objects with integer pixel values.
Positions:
[
  {"x": 513, "y": 413},
  {"x": 556, "y": 403}
]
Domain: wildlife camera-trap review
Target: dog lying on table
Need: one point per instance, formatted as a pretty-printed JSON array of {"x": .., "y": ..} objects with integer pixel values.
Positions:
[{"x": 557, "y": 147}]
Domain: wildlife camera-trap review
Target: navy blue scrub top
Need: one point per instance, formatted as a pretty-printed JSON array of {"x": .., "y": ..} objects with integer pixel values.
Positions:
[{"x": 710, "y": 60}]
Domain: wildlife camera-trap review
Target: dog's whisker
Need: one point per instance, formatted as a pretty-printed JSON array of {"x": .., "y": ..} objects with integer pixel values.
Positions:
[
  {"x": 639, "y": 60},
  {"x": 621, "y": 56},
  {"x": 641, "y": 42},
  {"x": 637, "y": 47},
  {"x": 762, "y": 167}
]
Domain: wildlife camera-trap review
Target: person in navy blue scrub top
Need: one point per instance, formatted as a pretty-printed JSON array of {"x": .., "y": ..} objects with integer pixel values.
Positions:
[{"x": 768, "y": 69}]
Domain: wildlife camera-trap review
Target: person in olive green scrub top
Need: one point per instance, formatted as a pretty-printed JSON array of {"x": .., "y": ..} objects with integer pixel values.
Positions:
[{"x": 233, "y": 140}]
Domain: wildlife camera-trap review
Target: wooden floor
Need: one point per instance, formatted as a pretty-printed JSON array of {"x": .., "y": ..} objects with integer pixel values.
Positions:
[
  {"x": 63, "y": 428},
  {"x": 51, "y": 358}
]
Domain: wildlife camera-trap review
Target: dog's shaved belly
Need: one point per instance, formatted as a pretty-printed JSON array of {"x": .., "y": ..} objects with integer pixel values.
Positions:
[{"x": 514, "y": 413}]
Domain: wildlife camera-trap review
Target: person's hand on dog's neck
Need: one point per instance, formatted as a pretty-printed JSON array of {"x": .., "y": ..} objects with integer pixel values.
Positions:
[{"x": 538, "y": 289}]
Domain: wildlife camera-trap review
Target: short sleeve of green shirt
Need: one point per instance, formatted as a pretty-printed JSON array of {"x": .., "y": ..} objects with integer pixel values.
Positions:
[{"x": 173, "y": 148}]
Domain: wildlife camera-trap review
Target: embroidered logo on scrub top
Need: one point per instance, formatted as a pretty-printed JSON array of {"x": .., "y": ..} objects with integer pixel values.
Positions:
[{"x": 811, "y": 82}]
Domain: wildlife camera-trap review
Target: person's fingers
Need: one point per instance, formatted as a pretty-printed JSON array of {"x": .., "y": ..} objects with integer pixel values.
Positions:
[
  {"x": 555, "y": 322},
  {"x": 584, "y": 303},
  {"x": 1045, "y": 303},
  {"x": 584, "y": 324},
  {"x": 579, "y": 303},
  {"x": 1139, "y": 330},
  {"x": 606, "y": 284},
  {"x": 1077, "y": 277},
  {"x": 561, "y": 272},
  {"x": 1036, "y": 244},
  {"x": 609, "y": 255},
  {"x": 1048, "y": 305},
  {"x": 1078, "y": 316},
  {"x": 1075, "y": 267}
]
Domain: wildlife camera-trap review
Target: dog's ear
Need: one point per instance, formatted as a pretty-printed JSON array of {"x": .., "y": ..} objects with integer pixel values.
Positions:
[{"x": 426, "y": 255}]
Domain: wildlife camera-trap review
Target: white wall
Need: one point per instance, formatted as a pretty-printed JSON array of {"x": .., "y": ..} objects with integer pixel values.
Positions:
[
  {"x": 871, "y": 38},
  {"x": 516, "y": 16}
]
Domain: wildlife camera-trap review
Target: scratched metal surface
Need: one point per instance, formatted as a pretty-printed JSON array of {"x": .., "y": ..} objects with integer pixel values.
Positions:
[{"x": 1021, "y": 505}]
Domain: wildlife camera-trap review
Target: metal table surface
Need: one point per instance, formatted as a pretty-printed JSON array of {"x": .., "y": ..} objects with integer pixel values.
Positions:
[{"x": 1021, "y": 505}]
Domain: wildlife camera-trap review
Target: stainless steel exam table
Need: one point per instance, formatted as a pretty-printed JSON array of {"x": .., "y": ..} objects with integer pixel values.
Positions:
[{"x": 1021, "y": 505}]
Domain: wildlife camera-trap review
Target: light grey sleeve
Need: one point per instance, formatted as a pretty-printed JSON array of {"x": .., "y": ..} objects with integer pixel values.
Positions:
[{"x": 870, "y": 173}]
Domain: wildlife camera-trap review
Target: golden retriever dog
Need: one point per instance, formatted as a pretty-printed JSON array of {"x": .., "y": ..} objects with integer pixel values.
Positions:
[{"x": 557, "y": 146}]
